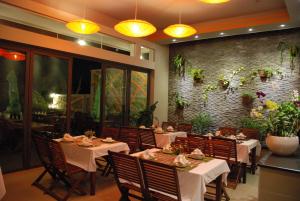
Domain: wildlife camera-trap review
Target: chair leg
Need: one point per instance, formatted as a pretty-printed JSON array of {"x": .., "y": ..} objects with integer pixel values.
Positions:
[
  {"x": 124, "y": 194},
  {"x": 36, "y": 182},
  {"x": 227, "y": 198}
]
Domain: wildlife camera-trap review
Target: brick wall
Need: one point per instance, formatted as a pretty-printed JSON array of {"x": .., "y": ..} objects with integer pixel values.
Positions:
[{"x": 222, "y": 56}]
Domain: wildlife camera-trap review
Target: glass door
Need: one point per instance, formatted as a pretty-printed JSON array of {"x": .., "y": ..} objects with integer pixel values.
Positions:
[
  {"x": 12, "y": 102},
  {"x": 48, "y": 95}
]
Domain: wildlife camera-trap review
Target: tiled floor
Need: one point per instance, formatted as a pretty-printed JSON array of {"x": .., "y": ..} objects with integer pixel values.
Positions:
[{"x": 18, "y": 186}]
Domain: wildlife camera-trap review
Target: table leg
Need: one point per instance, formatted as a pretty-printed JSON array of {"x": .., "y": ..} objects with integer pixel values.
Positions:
[
  {"x": 219, "y": 188},
  {"x": 253, "y": 160},
  {"x": 93, "y": 183},
  {"x": 244, "y": 171}
]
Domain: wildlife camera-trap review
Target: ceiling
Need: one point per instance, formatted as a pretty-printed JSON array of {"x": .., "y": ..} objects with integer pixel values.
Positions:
[{"x": 232, "y": 18}]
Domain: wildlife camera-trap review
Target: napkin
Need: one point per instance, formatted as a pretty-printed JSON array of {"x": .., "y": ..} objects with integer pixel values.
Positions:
[
  {"x": 170, "y": 128},
  {"x": 109, "y": 139},
  {"x": 159, "y": 130},
  {"x": 232, "y": 137},
  {"x": 85, "y": 141},
  {"x": 167, "y": 147},
  {"x": 142, "y": 126},
  {"x": 218, "y": 133},
  {"x": 241, "y": 135},
  {"x": 181, "y": 160},
  {"x": 68, "y": 137},
  {"x": 209, "y": 135},
  {"x": 148, "y": 155},
  {"x": 197, "y": 152}
]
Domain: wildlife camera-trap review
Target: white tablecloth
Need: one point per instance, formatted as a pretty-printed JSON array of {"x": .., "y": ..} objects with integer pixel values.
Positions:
[
  {"x": 167, "y": 138},
  {"x": 192, "y": 183},
  {"x": 85, "y": 157},
  {"x": 244, "y": 149},
  {"x": 2, "y": 186}
]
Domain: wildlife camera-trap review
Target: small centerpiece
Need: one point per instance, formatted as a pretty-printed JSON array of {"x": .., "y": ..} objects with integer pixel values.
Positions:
[{"x": 283, "y": 124}]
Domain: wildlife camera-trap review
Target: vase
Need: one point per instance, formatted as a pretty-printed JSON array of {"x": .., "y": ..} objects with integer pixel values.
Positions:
[{"x": 283, "y": 146}]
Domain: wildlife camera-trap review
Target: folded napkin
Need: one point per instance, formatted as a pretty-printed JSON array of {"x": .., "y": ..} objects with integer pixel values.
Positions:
[
  {"x": 159, "y": 130},
  {"x": 209, "y": 135},
  {"x": 68, "y": 137},
  {"x": 197, "y": 152},
  {"x": 181, "y": 160},
  {"x": 167, "y": 147},
  {"x": 218, "y": 133},
  {"x": 170, "y": 128},
  {"x": 241, "y": 135},
  {"x": 148, "y": 155},
  {"x": 232, "y": 137},
  {"x": 142, "y": 126}
]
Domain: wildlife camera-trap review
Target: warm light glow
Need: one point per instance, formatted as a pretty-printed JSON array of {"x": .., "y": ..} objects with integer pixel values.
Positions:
[
  {"x": 14, "y": 56},
  {"x": 2, "y": 52},
  {"x": 135, "y": 28},
  {"x": 180, "y": 30},
  {"x": 282, "y": 25},
  {"x": 214, "y": 1},
  {"x": 81, "y": 42},
  {"x": 83, "y": 26}
]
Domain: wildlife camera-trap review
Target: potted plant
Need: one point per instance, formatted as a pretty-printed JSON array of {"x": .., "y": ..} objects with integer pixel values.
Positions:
[
  {"x": 296, "y": 98},
  {"x": 283, "y": 124},
  {"x": 197, "y": 74},
  {"x": 223, "y": 82},
  {"x": 247, "y": 98},
  {"x": 254, "y": 123},
  {"x": 179, "y": 63},
  {"x": 201, "y": 123},
  {"x": 265, "y": 73},
  {"x": 180, "y": 102},
  {"x": 145, "y": 117}
]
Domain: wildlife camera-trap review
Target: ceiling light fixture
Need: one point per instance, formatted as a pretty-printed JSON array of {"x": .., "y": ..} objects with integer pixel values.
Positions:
[
  {"x": 180, "y": 30},
  {"x": 174, "y": 40},
  {"x": 135, "y": 27},
  {"x": 196, "y": 36},
  {"x": 250, "y": 29},
  {"x": 222, "y": 33},
  {"x": 282, "y": 25},
  {"x": 214, "y": 1},
  {"x": 14, "y": 56},
  {"x": 81, "y": 42},
  {"x": 83, "y": 26}
]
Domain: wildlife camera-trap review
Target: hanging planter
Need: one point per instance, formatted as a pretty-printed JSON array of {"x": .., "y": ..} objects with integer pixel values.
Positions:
[
  {"x": 247, "y": 99},
  {"x": 197, "y": 74},
  {"x": 265, "y": 73},
  {"x": 180, "y": 102}
]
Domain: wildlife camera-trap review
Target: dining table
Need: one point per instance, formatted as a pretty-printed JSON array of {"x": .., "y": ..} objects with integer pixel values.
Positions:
[
  {"x": 85, "y": 157},
  {"x": 165, "y": 138},
  {"x": 2, "y": 186},
  {"x": 193, "y": 180}
]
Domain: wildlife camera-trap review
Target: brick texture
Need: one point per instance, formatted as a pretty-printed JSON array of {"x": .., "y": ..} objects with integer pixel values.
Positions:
[{"x": 222, "y": 56}]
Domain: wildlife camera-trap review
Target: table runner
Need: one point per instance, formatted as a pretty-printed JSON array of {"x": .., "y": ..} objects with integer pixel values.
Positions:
[{"x": 167, "y": 138}]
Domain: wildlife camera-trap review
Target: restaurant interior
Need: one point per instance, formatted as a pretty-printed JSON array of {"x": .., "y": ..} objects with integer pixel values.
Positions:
[{"x": 160, "y": 100}]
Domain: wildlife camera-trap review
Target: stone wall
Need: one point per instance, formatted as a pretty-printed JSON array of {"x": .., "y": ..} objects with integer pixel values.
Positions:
[{"x": 222, "y": 56}]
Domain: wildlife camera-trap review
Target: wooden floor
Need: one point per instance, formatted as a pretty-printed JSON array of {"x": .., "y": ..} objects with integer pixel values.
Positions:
[{"x": 18, "y": 186}]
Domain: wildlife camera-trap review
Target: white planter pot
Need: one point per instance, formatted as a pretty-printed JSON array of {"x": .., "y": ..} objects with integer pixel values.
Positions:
[{"x": 282, "y": 146}]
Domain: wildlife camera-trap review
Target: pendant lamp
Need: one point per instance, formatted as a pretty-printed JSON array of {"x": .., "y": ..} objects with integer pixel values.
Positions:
[
  {"x": 14, "y": 56},
  {"x": 214, "y": 1}
]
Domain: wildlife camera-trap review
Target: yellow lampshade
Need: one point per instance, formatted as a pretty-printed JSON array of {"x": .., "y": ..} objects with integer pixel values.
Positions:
[
  {"x": 214, "y": 1},
  {"x": 135, "y": 28},
  {"x": 180, "y": 30},
  {"x": 83, "y": 26}
]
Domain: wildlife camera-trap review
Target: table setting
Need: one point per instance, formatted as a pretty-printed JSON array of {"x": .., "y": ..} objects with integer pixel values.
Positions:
[{"x": 168, "y": 136}]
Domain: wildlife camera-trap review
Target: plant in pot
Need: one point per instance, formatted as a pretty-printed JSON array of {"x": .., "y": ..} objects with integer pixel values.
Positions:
[
  {"x": 145, "y": 117},
  {"x": 179, "y": 62},
  {"x": 201, "y": 123},
  {"x": 247, "y": 99},
  {"x": 296, "y": 98},
  {"x": 197, "y": 74},
  {"x": 180, "y": 102},
  {"x": 265, "y": 73},
  {"x": 223, "y": 82},
  {"x": 283, "y": 124},
  {"x": 254, "y": 123}
]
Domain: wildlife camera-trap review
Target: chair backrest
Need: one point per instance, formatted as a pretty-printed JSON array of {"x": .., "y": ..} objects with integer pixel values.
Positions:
[
  {"x": 126, "y": 167},
  {"x": 160, "y": 177},
  {"x": 227, "y": 131},
  {"x": 197, "y": 142},
  {"x": 251, "y": 133},
  {"x": 165, "y": 125},
  {"x": 58, "y": 156},
  {"x": 112, "y": 132},
  {"x": 224, "y": 149},
  {"x": 147, "y": 139},
  {"x": 185, "y": 127},
  {"x": 41, "y": 144},
  {"x": 130, "y": 136},
  {"x": 182, "y": 142}
]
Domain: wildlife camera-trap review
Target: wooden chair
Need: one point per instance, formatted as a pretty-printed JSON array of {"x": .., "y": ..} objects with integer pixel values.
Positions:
[
  {"x": 165, "y": 125},
  {"x": 112, "y": 132},
  {"x": 127, "y": 175},
  {"x": 226, "y": 149},
  {"x": 130, "y": 136},
  {"x": 225, "y": 131},
  {"x": 147, "y": 139},
  {"x": 73, "y": 174},
  {"x": 160, "y": 177},
  {"x": 185, "y": 127},
  {"x": 182, "y": 143},
  {"x": 197, "y": 142},
  {"x": 251, "y": 133}
]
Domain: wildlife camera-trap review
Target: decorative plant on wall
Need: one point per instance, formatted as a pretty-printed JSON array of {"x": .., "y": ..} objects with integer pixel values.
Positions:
[
  {"x": 179, "y": 65},
  {"x": 247, "y": 99},
  {"x": 146, "y": 116},
  {"x": 201, "y": 123},
  {"x": 293, "y": 49},
  {"x": 197, "y": 74},
  {"x": 267, "y": 73},
  {"x": 223, "y": 82},
  {"x": 180, "y": 102},
  {"x": 206, "y": 90},
  {"x": 226, "y": 82}
]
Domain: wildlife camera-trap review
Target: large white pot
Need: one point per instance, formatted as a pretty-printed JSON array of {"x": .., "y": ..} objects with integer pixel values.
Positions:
[{"x": 283, "y": 146}]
